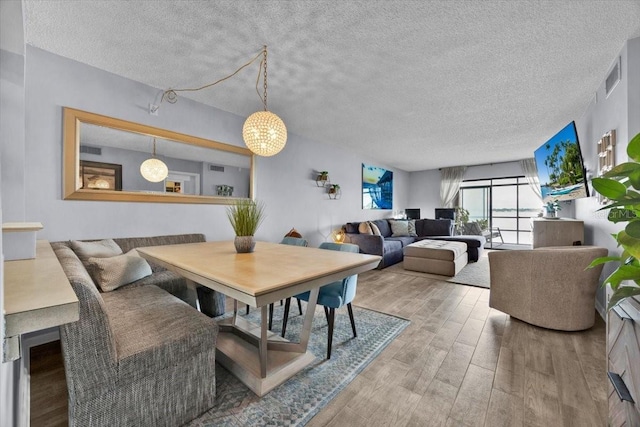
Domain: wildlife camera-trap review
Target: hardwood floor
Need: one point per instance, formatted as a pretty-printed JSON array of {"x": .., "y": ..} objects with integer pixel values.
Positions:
[{"x": 459, "y": 363}]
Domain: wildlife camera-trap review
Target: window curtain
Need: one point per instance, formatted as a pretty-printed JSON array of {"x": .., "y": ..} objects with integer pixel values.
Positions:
[
  {"x": 450, "y": 180},
  {"x": 531, "y": 174}
]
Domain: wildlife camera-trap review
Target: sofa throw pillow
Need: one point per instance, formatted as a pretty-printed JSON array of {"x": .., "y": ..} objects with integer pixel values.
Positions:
[
  {"x": 374, "y": 229},
  {"x": 111, "y": 273},
  {"x": 412, "y": 228},
  {"x": 399, "y": 228},
  {"x": 99, "y": 249},
  {"x": 365, "y": 228}
]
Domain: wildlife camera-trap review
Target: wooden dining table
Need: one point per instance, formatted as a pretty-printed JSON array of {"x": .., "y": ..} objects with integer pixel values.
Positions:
[{"x": 259, "y": 358}]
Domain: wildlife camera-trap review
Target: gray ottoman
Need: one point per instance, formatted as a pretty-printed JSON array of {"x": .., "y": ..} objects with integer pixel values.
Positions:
[{"x": 441, "y": 257}]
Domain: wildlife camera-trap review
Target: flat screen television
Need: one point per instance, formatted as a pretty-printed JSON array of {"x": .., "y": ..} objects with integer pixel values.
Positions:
[
  {"x": 446, "y": 213},
  {"x": 560, "y": 167},
  {"x": 412, "y": 213}
]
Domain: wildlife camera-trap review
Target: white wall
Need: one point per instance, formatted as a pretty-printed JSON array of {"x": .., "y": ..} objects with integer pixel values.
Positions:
[
  {"x": 619, "y": 111},
  {"x": 286, "y": 182}
]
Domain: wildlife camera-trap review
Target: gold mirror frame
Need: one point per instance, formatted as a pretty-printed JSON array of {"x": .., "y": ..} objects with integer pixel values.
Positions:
[{"x": 71, "y": 161}]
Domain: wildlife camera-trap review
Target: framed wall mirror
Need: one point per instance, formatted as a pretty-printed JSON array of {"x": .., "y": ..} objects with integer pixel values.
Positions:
[{"x": 102, "y": 158}]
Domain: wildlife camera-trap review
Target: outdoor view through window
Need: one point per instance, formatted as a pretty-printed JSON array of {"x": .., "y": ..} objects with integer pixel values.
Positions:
[{"x": 504, "y": 203}]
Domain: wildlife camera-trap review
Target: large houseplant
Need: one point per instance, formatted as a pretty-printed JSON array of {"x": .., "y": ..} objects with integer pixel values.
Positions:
[
  {"x": 621, "y": 186},
  {"x": 245, "y": 217}
]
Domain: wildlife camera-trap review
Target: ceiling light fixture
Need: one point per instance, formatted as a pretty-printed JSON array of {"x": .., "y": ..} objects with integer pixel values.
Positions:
[
  {"x": 154, "y": 169},
  {"x": 263, "y": 132}
]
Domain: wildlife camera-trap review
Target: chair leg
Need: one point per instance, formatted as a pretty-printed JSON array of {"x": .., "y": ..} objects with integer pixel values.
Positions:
[
  {"x": 270, "y": 315},
  {"x": 353, "y": 322},
  {"x": 331, "y": 317},
  {"x": 326, "y": 313},
  {"x": 299, "y": 306},
  {"x": 285, "y": 317},
  {"x": 247, "y": 309}
]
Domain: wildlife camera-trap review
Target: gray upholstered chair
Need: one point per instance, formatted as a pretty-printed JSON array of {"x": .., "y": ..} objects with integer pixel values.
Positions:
[{"x": 549, "y": 287}]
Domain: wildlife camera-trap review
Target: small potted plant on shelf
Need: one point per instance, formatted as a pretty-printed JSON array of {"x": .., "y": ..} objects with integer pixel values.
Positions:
[
  {"x": 245, "y": 217},
  {"x": 552, "y": 209},
  {"x": 322, "y": 179},
  {"x": 334, "y": 191},
  {"x": 621, "y": 185}
]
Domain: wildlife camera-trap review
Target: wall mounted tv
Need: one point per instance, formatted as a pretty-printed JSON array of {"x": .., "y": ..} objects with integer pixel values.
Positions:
[{"x": 560, "y": 167}]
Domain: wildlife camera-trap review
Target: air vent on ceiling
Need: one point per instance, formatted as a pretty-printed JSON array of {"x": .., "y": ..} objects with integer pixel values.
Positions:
[
  {"x": 216, "y": 168},
  {"x": 613, "y": 78},
  {"x": 91, "y": 150}
]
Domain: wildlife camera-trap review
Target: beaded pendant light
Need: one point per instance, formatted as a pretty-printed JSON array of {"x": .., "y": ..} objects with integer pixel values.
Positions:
[{"x": 154, "y": 169}]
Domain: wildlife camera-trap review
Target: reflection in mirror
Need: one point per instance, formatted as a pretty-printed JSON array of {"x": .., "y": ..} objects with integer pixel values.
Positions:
[{"x": 109, "y": 153}]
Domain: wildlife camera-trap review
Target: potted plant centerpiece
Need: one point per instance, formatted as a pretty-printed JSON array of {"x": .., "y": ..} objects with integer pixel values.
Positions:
[
  {"x": 245, "y": 217},
  {"x": 621, "y": 185}
]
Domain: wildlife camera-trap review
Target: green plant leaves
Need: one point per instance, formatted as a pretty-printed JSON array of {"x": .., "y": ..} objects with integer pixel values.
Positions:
[
  {"x": 633, "y": 149},
  {"x": 623, "y": 169},
  {"x": 633, "y": 229},
  {"x": 603, "y": 259},
  {"x": 618, "y": 186},
  {"x": 624, "y": 272},
  {"x": 609, "y": 188},
  {"x": 630, "y": 244},
  {"x": 617, "y": 215},
  {"x": 621, "y": 293}
]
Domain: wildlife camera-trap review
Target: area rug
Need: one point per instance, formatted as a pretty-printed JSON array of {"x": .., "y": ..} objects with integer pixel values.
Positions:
[
  {"x": 473, "y": 274},
  {"x": 296, "y": 401}
]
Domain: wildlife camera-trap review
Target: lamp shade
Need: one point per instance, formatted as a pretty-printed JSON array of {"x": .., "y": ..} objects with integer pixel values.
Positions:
[
  {"x": 264, "y": 133},
  {"x": 154, "y": 170}
]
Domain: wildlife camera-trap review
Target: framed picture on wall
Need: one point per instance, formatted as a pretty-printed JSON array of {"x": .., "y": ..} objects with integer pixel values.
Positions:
[
  {"x": 377, "y": 188},
  {"x": 100, "y": 176}
]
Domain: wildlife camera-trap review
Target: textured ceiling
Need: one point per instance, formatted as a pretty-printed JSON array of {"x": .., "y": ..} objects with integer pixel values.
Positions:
[{"x": 413, "y": 84}]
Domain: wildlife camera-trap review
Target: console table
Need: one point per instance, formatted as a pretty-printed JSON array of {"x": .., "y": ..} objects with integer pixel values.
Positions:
[
  {"x": 556, "y": 232},
  {"x": 37, "y": 296}
]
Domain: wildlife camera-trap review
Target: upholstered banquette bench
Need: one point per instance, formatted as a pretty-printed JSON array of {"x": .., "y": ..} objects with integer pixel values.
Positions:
[{"x": 141, "y": 354}]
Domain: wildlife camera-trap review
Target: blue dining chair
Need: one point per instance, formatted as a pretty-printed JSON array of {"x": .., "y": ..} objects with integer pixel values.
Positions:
[
  {"x": 332, "y": 296},
  {"x": 294, "y": 241}
]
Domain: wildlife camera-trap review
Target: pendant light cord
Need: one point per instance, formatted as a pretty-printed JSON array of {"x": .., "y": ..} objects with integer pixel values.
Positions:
[{"x": 171, "y": 96}]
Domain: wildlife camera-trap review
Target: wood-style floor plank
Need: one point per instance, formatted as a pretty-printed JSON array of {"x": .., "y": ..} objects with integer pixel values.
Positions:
[{"x": 458, "y": 363}]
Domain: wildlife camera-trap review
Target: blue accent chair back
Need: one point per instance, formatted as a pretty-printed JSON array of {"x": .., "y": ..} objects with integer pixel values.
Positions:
[
  {"x": 331, "y": 296},
  {"x": 295, "y": 241}
]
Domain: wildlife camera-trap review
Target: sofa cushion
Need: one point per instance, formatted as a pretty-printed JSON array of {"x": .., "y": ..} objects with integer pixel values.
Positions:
[
  {"x": 391, "y": 246},
  {"x": 374, "y": 229},
  {"x": 351, "y": 227},
  {"x": 154, "y": 330},
  {"x": 128, "y": 243},
  {"x": 434, "y": 227},
  {"x": 365, "y": 228},
  {"x": 412, "y": 228},
  {"x": 98, "y": 249},
  {"x": 405, "y": 240},
  {"x": 399, "y": 228},
  {"x": 113, "y": 272},
  {"x": 383, "y": 226}
]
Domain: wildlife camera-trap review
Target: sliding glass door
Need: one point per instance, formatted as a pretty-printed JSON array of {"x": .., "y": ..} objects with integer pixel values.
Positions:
[{"x": 505, "y": 203}]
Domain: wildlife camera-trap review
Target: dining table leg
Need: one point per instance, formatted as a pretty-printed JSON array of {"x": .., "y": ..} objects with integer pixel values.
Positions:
[{"x": 262, "y": 347}]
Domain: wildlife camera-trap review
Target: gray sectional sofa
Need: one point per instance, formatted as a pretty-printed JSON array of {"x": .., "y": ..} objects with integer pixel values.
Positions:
[
  {"x": 140, "y": 355},
  {"x": 390, "y": 247}
]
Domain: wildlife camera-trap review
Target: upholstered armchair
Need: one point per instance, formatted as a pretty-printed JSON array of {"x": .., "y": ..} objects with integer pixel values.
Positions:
[{"x": 549, "y": 287}]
